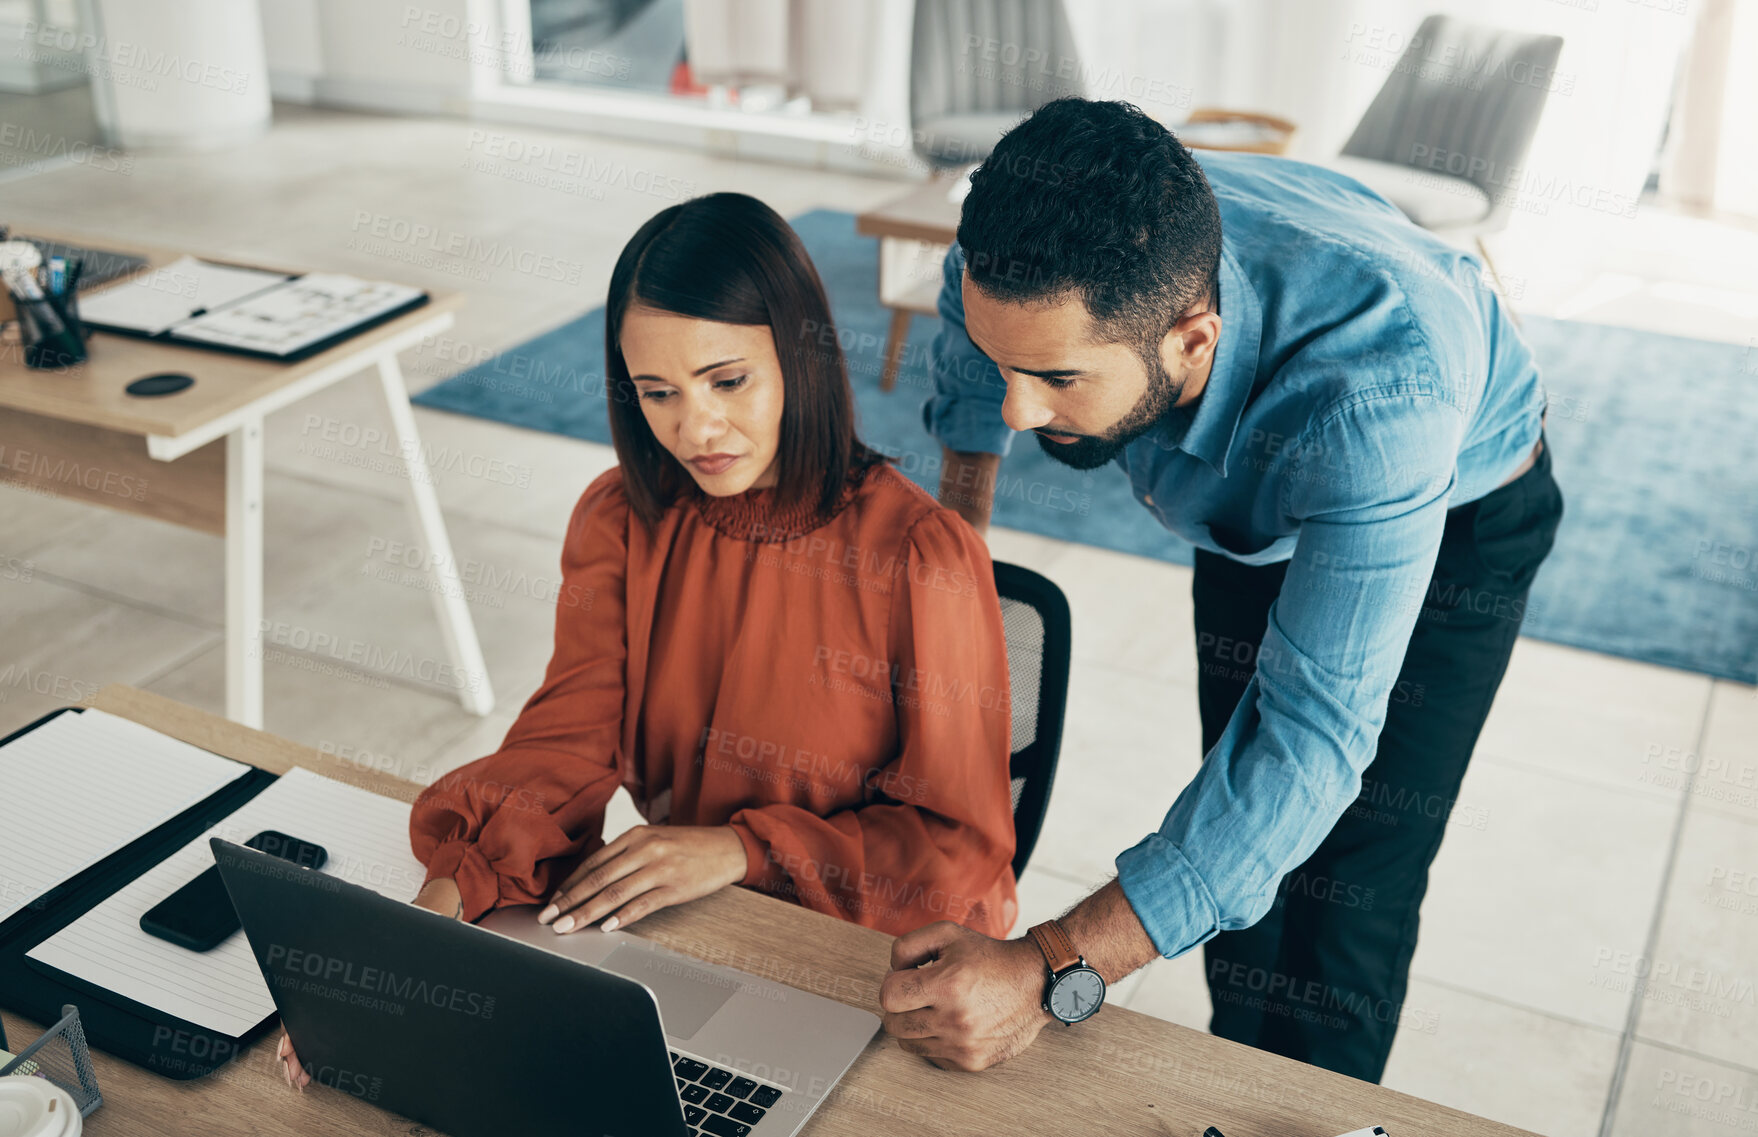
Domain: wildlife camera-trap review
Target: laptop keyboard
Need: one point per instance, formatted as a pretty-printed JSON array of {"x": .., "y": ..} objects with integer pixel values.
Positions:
[{"x": 720, "y": 1102}]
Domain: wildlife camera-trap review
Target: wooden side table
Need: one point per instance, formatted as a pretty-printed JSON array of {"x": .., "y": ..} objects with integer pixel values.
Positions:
[
  {"x": 914, "y": 233},
  {"x": 1213, "y": 128}
]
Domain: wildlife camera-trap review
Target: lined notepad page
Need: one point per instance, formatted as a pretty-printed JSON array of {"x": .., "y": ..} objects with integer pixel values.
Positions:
[
  {"x": 367, "y": 837},
  {"x": 83, "y": 785}
]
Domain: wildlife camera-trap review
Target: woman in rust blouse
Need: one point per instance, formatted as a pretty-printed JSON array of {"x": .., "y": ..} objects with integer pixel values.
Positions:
[{"x": 790, "y": 655}]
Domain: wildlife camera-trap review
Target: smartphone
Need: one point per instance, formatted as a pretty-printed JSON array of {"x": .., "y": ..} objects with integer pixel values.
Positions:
[{"x": 199, "y": 916}]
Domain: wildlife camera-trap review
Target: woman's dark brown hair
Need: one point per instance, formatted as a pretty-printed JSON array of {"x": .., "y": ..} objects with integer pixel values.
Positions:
[{"x": 729, "y": 258}]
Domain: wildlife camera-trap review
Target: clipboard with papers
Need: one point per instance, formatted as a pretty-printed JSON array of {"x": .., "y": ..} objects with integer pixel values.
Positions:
[
  {"x": 104, "y": 817},
  {"x": 247, "y": 311}
]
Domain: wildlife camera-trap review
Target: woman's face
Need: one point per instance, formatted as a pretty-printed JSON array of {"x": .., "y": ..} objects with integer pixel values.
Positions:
[{"x": 711, "y": 394}]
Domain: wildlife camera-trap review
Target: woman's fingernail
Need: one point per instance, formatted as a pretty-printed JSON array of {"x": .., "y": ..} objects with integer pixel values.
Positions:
[
  {"x": 547, "y": 915},
  {"x": 609, "y": 925},
  {"x": 565, "y": 924}
]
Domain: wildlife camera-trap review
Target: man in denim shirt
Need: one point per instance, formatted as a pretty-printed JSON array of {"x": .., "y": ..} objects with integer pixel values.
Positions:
[{"x": 1330, "y": 405}]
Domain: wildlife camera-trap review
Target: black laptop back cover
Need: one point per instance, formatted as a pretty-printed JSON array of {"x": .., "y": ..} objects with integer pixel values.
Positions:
[{"x": 449, "y": 1025}]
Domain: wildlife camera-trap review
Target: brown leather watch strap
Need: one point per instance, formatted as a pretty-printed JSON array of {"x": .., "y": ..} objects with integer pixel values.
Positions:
[{"x": 1058, "y": 949}]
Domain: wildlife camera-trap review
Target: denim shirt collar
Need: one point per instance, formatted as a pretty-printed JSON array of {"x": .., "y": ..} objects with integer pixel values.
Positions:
[{"x": 1205, "y": 429}]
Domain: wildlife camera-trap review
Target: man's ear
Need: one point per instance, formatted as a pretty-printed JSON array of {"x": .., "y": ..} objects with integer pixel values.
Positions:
[{"x": 1190, "y": 344}]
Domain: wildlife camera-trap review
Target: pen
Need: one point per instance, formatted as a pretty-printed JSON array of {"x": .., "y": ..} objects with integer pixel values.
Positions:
[{"x": 23, "y": 284}]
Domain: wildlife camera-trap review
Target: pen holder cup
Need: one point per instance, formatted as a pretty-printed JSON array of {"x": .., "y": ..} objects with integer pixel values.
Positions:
[
  {"x": 53, "y": 337},
  {"x": 62, "y": 1057}
]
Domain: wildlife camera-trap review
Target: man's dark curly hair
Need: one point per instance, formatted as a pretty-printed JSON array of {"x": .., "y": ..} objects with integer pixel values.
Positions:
[{"x": 1097, "y": 199}]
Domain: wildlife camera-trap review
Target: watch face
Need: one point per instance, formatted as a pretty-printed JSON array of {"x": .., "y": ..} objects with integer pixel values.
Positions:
[{"x": 1077, "y": 994}]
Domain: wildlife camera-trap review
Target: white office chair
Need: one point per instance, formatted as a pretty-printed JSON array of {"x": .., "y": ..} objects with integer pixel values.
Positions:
[{"x": 1446, "y": 136}]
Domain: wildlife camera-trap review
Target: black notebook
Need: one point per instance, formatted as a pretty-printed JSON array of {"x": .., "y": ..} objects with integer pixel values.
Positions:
[{"x": 268, "y": 315}]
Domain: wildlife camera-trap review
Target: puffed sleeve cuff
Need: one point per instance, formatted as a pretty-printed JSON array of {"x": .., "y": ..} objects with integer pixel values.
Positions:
[
  {"x": 478, "y": 885},
  {"x": 1169, "y": 896},
  {"x": 969, "y": 426},
  {"x": 761, "y": 870}
]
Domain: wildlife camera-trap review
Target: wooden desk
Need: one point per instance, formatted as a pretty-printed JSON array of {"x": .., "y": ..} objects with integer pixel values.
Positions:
[
  {"x": 195, "y": 458},
  {"x": 1122, "y": 1074}
]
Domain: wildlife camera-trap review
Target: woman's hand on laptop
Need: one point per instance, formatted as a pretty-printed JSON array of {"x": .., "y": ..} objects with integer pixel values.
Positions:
[
  {"x": 440, "y": 896},
  {"x": 290, "y": 1067},
  {"x": 648, "y": 868}
]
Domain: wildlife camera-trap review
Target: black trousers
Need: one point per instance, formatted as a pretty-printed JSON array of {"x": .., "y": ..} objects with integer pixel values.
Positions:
[{"x": 1322, "y": 977}]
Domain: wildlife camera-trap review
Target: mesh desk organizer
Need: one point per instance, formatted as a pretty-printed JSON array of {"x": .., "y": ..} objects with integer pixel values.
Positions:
[
  {"x": 151, "y": 1039},
  {"x": 61, "y": 1057}
]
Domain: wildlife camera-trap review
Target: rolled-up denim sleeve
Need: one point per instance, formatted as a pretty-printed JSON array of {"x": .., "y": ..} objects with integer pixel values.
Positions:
[
  {"x": 1369, "y": 487},
  {"x": 964, "y": 413}
]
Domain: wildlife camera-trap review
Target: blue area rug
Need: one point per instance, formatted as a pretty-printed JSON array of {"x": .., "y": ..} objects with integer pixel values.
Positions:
[{"x": 1654, "y": 441}]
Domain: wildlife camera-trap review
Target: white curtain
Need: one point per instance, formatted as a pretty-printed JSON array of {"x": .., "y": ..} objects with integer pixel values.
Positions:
[
  {"x": 1710, "y": 157},
  {"x": 818, "y": 48}
]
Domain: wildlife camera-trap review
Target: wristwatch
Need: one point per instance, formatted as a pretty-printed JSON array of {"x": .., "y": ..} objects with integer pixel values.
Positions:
[{"x": 1074, "y": 990}]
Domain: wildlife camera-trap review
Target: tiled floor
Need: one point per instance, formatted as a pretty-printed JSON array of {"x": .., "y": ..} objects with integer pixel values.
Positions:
[{"x": 1608, "y": 829}]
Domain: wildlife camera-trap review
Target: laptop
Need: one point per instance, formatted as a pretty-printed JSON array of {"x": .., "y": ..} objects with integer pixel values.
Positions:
[{"x": 507, "y": 1027}]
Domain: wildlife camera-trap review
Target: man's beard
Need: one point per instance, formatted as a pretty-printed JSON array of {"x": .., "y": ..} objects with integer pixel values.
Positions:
[{"x": 1090, "y": 451}]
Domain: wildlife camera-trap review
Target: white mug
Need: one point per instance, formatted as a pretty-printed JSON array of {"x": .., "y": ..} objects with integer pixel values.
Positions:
[{"x": 36, "y": 1107}]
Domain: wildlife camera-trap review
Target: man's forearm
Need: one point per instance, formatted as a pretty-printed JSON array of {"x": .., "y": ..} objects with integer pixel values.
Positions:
[
  {"x": 967, "y": 485},
  {"x": 1107, "y": 932}
]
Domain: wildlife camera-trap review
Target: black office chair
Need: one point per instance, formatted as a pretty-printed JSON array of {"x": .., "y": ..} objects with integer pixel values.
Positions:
[{"x": 1034, "y": 617}]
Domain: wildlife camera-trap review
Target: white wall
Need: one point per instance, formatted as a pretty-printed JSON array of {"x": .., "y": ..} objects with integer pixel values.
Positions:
[
  {"x": 1162, "y": 55},
  {"x": 1276, "y": 56},
  {"x": 294, "y": 44},
  {"x": 393, "y": 43},
  {"x": 1737, "y": 170},
  {"x": 396, "y": 55},
  {"x": 1712, "y": 148}
]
